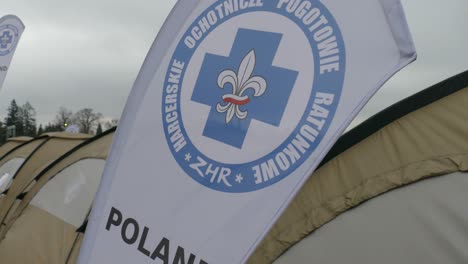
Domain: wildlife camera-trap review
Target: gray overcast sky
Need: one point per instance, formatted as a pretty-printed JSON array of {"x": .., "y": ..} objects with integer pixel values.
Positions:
[{"x": 87, "y": 53}]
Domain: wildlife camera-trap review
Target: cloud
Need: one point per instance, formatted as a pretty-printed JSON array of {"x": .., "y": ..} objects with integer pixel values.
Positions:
[
  {"x": 80, "y": 54},
  {"x": 87, "y": 53},
  {"x": 439, "y": 33}
]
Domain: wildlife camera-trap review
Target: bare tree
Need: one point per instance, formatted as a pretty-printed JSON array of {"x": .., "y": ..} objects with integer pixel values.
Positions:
[
  {"x": 64, "y": 117},
  {"x": 87, "y": 119}
]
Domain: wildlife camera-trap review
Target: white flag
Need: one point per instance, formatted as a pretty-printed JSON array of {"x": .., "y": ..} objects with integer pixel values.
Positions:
[
  {"x": 235, "y": 106},
  {"x": 11, "y": 29}
]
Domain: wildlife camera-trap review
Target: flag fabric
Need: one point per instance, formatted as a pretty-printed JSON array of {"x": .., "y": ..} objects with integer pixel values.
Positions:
[
  {"x": 235, "y": 106},
  {"x": 11, "y": 29}
]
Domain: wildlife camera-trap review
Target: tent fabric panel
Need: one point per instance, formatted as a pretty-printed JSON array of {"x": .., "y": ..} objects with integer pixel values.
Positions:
[
  {"x": 8, "y": 146},
  {"x": 10, "y": 214},
  {"x": 429, "y": 142},
  {"x": 53, "y": 149},
  {"x": 95, "y": 149},
  {"x": 8, "y": 221},
  {"x": 73, "y": 257},
  {"x": 7, "y": 171},
  {"x": 425, "y": 222},
  {"x": 396, "y": 111},
  {"x": 70, "y": 194},
  {"x": 89, "y": 174},
  {"x": 40, "y": 159},
  {"x": 12, "y": 143},
  {"x": 37, "y": 237},
  {"x": 22, "y": 151},
  {"x": 21, "y": 139},
  {"x": 66, "y": 135},
  {"x": 98, "y": 149}
]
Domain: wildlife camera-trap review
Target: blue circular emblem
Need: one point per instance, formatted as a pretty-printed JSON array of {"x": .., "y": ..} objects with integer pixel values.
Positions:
[
  {"x": 8, "y": 39},
  {"x": 259, "y": 83}
]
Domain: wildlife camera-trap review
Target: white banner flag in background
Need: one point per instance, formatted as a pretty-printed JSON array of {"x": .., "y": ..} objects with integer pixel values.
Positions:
[
  {"x": 11, "y": 29},
  {"x": 235, "y": 106}
]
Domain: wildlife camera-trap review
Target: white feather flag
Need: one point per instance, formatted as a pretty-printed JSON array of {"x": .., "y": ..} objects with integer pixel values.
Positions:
[
  {"x": 11, "y": 29},
  {"x": 237, "y": 103}
]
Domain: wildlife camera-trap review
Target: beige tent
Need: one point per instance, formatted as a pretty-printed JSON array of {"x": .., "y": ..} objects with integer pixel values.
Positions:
[
  {"x": 12, "y": 143},
  {"x": 419, "y": 146},
  {"x": 44, "y": 225},
  {"x": 45, "y": 150},
  {"x": 13, "y": 159}
]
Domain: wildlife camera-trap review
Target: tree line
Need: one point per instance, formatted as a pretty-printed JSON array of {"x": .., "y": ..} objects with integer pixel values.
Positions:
[{"x": 21, "y": 121}]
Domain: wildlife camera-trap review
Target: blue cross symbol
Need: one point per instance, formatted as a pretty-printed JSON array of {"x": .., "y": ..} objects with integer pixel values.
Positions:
[
  {"x": 5, "y": 39},
  {"x": 268, "y": 108}
]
